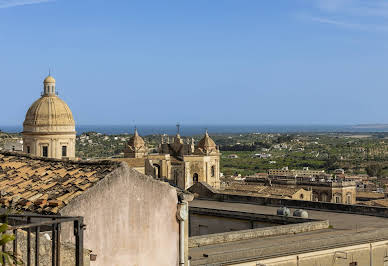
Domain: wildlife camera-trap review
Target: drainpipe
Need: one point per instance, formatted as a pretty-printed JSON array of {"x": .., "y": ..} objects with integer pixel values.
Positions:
[{"x": 182, "y": 215}]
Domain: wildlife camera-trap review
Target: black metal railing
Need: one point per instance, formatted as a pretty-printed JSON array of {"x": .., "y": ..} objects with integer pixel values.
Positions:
[{"x": 43, "y": 223}]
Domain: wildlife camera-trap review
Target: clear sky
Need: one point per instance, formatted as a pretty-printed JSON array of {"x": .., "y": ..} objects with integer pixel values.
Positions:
[{"x": 198, "y": 61}]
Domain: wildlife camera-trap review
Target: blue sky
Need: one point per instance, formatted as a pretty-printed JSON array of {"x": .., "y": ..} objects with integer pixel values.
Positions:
[{"x": 198, "y": 62}]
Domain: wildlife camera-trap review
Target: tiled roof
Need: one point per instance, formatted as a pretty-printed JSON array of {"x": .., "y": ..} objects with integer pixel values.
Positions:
[
  {"x": 371, "y": 195},
  {"x": 43, "y": 185},
  {"x": 132, "y": 162},
  {"x": 263, "y": 190},
  {"x": 375, "y": 203}
]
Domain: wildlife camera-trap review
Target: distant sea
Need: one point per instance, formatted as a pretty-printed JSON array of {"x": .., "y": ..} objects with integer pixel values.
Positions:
[{"x": 188, "y": 130}]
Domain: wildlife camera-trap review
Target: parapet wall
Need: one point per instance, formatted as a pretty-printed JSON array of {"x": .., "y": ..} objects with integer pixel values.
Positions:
[
  {"x": 273, "y": 219},
  {"x": 202, "y": 193},
  {"x": 313, "y": 205},
  {"x": 290, "y": 225}
]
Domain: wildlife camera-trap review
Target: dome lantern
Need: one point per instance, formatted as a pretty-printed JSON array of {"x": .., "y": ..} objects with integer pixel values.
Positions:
[{"x": 49, "y": 86}]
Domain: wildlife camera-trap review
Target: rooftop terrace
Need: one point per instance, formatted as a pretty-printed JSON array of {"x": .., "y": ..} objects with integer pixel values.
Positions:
[{"x": 345, "y": 229}]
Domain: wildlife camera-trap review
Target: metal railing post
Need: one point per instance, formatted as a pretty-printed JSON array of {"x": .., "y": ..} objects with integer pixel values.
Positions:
[
  {"x": 37, "y": 232},
  {"x": 28, "y": 242},
  {"x": 79, "y": 240},
  {"x": 15, "y": 244},
  {"x": 58, "y": 244},
  {"x": 53, "y": 243}
]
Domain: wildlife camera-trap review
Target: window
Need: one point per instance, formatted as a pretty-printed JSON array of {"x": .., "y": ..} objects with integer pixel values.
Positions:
[
  {"x": 45, "y": 151},
  {"x": 64, "y": 151},
  {"x": 195, "y": 178},
  {"x": 301, "y": 196},
  {"x": 28, "y": 149},
  {"x": 337, "y": 199},
  {"x": 213, "y": 171},
  {"x": 348, "y": 199}
]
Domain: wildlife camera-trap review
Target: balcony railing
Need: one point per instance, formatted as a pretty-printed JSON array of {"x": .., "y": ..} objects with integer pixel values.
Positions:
[{"x": 37, "y": 224}]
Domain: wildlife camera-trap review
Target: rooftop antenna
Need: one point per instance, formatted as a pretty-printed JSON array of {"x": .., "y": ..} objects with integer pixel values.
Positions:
[
  {"x": 178, "y": 128},
  {"x": 133, "y": 123}
]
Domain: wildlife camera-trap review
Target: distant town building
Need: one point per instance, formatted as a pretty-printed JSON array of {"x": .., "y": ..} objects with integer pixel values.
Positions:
[
  {"x": 182, "y": 164},
  {"x": 232, "y": 156},
  {"x": 305, "y": 172},
  {"x": 269, "y": 191},
  {"x": 13, "y": 144},
  {"x": 262, "y": 155}
]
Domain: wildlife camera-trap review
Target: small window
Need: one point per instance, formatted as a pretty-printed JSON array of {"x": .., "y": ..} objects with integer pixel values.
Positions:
[
  {"x": 195, "y": 178},
  {"x": 337, "y": 199},
  {"x": 28, "y": 149},
  {"x": 213, "y": 171},
  {"x": 13, "y": 148},
  {"x": 348, "y": 199},
  {"x": 45, "y": 151},
  {"x": 301, "y": 196},
  {"x": 64, "y": 151}
]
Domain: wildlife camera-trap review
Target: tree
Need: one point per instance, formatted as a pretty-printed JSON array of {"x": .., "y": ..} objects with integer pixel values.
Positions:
[{"x": 374, "y": 170}]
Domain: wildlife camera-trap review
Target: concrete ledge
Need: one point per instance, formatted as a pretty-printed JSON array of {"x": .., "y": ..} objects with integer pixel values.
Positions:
[
  {"x": 211, "y": 239},
  {"x": 299, "y": 204},
  {"x": 276, "y": 219}
]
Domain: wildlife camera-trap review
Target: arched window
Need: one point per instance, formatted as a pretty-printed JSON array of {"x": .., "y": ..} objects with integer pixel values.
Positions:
[
  {"x": 301, "y": 196},
  {"x": 213, "y": 171},
  {"x": 195, "y": 178}
]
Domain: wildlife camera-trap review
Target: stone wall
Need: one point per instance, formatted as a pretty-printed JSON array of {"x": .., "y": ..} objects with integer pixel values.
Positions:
[{"x": 130, "y": 220}]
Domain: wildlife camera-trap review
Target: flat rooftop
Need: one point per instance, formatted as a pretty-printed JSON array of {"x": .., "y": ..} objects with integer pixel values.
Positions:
[{"x": 346, "y": 229}]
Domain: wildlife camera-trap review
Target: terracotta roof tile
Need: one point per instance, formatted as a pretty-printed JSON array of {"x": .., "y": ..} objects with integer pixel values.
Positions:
[{"x": 46, "y": 185}]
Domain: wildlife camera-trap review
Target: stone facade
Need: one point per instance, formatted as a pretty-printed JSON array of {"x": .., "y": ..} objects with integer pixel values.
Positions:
[
  {"x": 49, "y": 127},
  {"x": 182, "y": 164}
]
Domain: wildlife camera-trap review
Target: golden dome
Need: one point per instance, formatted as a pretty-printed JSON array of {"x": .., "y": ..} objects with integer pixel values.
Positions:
[
  {"x": 136, "y": 141},
  {"x": 207, "y": 144},
  {"x": 49, "y": 111},
  {"x": 49, "y": 79}
]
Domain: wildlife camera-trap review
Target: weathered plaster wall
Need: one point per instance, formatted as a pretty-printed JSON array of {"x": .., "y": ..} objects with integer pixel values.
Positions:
[{"x": 130, "y": 220}]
